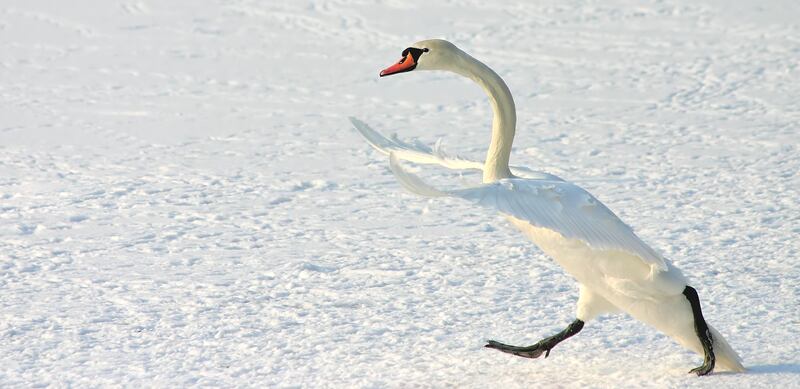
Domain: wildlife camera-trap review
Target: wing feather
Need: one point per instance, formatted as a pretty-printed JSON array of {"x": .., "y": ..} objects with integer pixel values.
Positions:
[
  {"x": 420, "y": 153},
  {"x": 559, "y": 206},
  {"x": 561, "y": 210}
]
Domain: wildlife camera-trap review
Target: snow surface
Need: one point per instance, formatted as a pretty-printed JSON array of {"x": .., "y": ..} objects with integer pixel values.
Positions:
[{"x": 184, "y": 203}]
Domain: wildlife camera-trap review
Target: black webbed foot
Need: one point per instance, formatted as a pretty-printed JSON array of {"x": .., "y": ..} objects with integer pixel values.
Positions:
[
  {"x": 534, "y": 351},
  {"x": 541, "y": 347},
  {"x": 703, "y": 333},
  {"x": 703, "y": 369}
]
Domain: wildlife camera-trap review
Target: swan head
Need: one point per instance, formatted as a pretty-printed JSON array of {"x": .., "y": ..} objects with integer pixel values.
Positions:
[{"x": 431, "y": 54}]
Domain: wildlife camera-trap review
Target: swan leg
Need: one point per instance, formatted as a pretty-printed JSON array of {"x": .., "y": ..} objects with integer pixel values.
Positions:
[
  {"x": 542, "y": 346},
  {"x": 701, "y": 328}
]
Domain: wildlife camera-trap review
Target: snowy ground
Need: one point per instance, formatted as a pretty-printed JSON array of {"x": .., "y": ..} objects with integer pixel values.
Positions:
[{"x": 183, "y": 202}]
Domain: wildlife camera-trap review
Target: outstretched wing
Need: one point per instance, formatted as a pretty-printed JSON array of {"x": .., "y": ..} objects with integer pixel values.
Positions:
[
  {"x": 417, "y": 152},
  {"x": 420, "y": 153},
  {"x": 555, "y": 205}
]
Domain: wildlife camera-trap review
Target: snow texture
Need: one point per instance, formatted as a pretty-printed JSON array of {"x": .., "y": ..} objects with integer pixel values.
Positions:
[{"x": 183, "y": 201}]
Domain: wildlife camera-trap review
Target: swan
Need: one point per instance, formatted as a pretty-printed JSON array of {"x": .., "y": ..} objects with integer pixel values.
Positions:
[{"x": 616, "y": 271}]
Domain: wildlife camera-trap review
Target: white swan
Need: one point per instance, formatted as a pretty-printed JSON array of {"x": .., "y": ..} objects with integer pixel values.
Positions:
[{"x": 616, "y": 270}]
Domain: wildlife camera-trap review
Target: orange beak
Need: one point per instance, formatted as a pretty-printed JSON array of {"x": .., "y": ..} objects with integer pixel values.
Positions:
[{"x": 406, "y": 64}]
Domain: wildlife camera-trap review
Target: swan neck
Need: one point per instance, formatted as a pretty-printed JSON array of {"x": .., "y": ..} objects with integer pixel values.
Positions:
[{"x": 503, "y": 123}]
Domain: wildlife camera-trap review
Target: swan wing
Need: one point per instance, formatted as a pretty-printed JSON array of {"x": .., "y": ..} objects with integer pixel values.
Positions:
[
  {"x": 420, "y": 153},
  {"x": 523, "y": 172},
  {"x": 417, "y": 152},
  {"x": 559, "y": 206}
]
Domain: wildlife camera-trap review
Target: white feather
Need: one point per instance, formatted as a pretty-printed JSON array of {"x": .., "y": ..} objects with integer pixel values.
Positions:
[
  {"x": 419, "y": 153},
  {"x": 558, "y": 206}
]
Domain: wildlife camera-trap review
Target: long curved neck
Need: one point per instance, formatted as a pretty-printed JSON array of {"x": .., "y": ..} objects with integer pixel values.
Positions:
[{"x": 505, "y": 116}]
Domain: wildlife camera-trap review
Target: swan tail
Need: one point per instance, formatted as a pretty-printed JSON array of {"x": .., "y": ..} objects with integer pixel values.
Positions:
[
  {"x": 410, "y": 181},
  {"x": 727, "y": 358},
  {"x": 417, "y": 152}
]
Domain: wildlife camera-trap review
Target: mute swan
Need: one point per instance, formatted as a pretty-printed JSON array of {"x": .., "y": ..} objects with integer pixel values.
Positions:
[{"x": 616, "y": 270}]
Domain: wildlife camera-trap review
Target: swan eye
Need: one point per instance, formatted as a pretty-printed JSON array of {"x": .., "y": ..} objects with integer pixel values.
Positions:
[{"x": 415, "y": 52}]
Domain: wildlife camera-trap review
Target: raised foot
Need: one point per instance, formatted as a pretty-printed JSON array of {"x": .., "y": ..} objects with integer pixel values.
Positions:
[
  {"x": 541, "y": 347},
  {"x": 534, "y": 351}
]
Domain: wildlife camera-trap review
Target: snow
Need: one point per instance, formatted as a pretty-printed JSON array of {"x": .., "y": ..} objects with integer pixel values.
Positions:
[{"x": 183, "y": 201}]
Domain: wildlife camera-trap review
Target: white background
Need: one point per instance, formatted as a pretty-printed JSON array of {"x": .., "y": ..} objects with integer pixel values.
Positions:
[{"x": 183, "y": 201}]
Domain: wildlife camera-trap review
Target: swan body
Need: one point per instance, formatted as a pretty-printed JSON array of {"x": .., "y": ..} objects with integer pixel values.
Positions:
[{"x": 616, "y": 270}]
